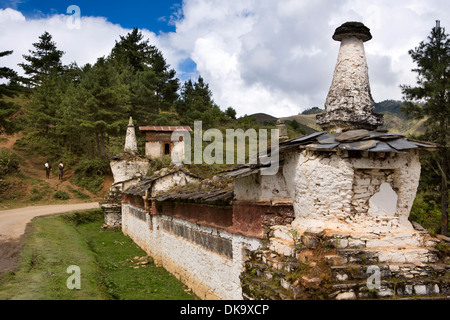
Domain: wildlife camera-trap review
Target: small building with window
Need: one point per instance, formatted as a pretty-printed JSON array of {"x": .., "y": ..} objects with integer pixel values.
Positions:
[{"x": 158, "y": 141}]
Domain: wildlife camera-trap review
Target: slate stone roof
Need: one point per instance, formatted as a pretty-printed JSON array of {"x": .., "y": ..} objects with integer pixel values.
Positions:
[
  {"x": 164, "y": 128},
  {"x": 147, "y": 183},
  {"x": 353, "y": 140},
  {"x": 352, "y": 28},
  {"x": 216, "y": 196},
  {"x": 357, "y": 140}
]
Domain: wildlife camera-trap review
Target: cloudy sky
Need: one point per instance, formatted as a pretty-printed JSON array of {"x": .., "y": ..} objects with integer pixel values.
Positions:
[{"x": 272, "y": 56}]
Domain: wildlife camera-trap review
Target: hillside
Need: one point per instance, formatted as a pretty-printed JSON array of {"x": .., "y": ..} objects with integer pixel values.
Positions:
[
  {"x": 262, "y": 118},
  {"x": 30, "y": 187},
  {"x": 395, "y": 120},
  {"x": 306, "y": 122}
]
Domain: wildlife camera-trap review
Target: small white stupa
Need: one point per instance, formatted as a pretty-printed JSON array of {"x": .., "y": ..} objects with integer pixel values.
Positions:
[{"x": 130, "y": 140}]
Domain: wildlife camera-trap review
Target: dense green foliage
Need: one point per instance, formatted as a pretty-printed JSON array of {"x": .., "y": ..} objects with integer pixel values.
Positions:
[
  {"x": 426, "y": 212},
  {"x": 61, "y": 195},
  {"x": 430, "y": 99},
  {"x": 9, "y": 162},
  {"x": 8, "y": 89},
  {"x": 76, "y": 114},
  {"x": 90, "y": 173}
]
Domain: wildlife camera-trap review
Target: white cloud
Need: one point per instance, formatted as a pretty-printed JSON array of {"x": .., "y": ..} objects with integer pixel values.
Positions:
[
  {"x": 94, "y": 39},
  {"x": 278, "y": 56},
  {"x": 273, "y": 56}
]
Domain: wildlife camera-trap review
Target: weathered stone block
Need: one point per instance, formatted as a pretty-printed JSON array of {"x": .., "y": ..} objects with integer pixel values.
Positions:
[
  {"x": 420, "y": 289},
  {"x": 356, "y": 243},
  {"x": 346, "y": 296},
  {"x": 310, "y": 241},
  {"x": 333, "y": 260}
]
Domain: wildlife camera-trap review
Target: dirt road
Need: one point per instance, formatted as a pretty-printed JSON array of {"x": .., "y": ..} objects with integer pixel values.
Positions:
[{"x": 13, "y": 224}]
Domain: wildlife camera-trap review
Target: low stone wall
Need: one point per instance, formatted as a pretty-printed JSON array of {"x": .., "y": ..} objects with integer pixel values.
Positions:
[{"x": 207, "y": 259}]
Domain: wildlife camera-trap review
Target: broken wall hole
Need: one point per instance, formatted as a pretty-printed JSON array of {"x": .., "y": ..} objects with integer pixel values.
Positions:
[
  {"x": 383, "y": 203},
  {"x": 374, "y": 191}
]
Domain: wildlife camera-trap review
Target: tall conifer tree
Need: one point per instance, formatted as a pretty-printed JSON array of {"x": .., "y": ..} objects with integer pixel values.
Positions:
[
  {"x": 430, "y": 99},
  {"x": 8, "y": 89},
  {"x": 44, "y": 61}
]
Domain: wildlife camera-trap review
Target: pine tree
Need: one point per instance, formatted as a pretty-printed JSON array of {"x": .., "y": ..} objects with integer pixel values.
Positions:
[
  {"x": 8, "y": 89},
  {"x": 431, "y": 99},
  {"x": 132, "y": 50},
  {"x": 196, "y": 104},
  {"x": 44, "y": 61},
  {"x": 99, "y": 106},
  {"x": 154, "y": 84}
]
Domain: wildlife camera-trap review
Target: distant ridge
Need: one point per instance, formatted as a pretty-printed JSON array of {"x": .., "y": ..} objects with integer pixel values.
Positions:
[
  {"x": 263, "y": 117},
  {"x": 395, "y": 120}
]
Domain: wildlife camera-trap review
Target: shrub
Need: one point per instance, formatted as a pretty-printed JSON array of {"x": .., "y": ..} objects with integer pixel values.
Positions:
[
  {"x": 158, "y": 164},
  {"x": 39, "y": 191},
  {"x": 11, "y": 189},
  {"x": 78, "y": 193},
  {"x": 9, "y": 162},
  {"x": 61, "y": 195},
  {"x": 90, "y": 173},
  {"x": 81, "y": 217},
  {"x": 426, "y": 212}
]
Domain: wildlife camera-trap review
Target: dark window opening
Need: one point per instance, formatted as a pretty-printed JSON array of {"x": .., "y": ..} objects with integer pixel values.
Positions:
[{"x": 167, "y": 149}]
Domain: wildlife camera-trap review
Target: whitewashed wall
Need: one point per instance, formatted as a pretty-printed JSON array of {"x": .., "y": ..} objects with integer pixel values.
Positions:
[
  {"x": 261, "y": 188},
  {"x": 209, "y": 274},
  {"x": 125, "y": 169},
  {"x": 322, "y": 189}
]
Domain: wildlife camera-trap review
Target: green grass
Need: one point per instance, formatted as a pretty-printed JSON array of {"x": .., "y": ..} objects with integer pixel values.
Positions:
[
  {"x": 18, "y": 190},
  {"x": 61, "y": 195},
  {"x": 78, "y": 193},
  {"x": 106, "y": 259}
]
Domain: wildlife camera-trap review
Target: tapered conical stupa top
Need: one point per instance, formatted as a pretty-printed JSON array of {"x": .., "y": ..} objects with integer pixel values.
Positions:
[{"x": 349, "y": 104}]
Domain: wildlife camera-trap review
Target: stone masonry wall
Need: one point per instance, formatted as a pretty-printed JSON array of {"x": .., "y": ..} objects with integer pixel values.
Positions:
[
  {"x": 366, "y": 183},
  {"x": 208, "y": 260},
  {"x": 316, "y": 266}
]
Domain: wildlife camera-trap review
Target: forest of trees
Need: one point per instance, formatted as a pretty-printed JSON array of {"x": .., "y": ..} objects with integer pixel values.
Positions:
[{"x": 76, "y": 110}]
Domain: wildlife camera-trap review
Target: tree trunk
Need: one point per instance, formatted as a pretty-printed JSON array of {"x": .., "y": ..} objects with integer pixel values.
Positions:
[
  {"x": 97, "y": 142},
  {"x": 444, "y": 193}
]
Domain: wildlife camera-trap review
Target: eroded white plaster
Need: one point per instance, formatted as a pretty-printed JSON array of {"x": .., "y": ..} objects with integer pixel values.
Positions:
[
  {"x": 383, "y": 203},
  {"x": 123, "y": 170}
]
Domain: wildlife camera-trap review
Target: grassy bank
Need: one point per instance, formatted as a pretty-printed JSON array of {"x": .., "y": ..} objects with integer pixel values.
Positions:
[{"x": 111, "y": 265}]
